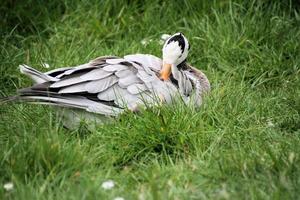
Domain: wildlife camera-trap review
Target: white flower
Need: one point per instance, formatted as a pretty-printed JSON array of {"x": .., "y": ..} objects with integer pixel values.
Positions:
[
  {"x": 270, "y": 123},
  {"x": 291, "y": 157},
  {"x": 161, "y": 42},
  {"x": 46, "y": 65},
  {"x": 165, "y": 37},
  {"x": 107, "y": 185},
  {"x": 8, "y": 186},
  {"x": 144, "y": 42},
  {"x": 119, "y": 198}
]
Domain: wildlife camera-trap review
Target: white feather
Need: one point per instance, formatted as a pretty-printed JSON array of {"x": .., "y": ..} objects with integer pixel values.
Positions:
[
  {"x": 115, "y": 61},
  {"x": 171, "y": 52}
]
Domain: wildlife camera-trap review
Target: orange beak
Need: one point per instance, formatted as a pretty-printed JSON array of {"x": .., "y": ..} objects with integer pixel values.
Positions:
[{"x": 165, "y": 72}]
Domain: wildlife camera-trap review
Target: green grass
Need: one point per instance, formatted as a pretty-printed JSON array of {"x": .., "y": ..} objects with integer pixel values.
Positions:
[{"x": 243, "y": 143}]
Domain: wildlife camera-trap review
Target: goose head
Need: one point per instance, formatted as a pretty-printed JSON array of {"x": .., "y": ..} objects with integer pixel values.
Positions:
[{"x": 175, "y": 52}]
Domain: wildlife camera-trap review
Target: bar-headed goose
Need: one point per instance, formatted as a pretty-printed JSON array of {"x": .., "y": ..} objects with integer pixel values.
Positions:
[{"x": 109, "y": 84}]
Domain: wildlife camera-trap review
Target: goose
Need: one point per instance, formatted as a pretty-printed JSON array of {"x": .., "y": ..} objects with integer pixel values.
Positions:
[{"x": 108, "y": 85}]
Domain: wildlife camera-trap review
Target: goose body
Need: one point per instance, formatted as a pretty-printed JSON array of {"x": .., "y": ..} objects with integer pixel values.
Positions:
[{"x": 108, "y": 85}]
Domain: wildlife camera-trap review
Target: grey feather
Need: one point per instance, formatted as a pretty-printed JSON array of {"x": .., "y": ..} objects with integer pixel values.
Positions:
[
  {"x": 145, "y": 77},
  {"x": 73, "y": 89},
  {"x": 128, "y": 100},
  {"x": 75, "y": 69},
  {"x": 188, "y": 87},
  {"x": 129, "y": 80},
  {"x": 73, "y": 118},
  {"x": 100, "y": 85},
  {"x": 114, "y": 67},
  {"x": 75, "y": 102},
  {"x": 141, "y": 67},
  {"x": 69, "y": 80},
  {"x": 112, "y": 93},
  {"x": 136, "y": 88},
  {"x": 59, "y": 70},
  {"x": 164, "y": 90},
  {"x": 115, "y": 61},
  {"x": 148, "y": 98},
  {"x": 149, "y": 61},
  {"x": 81, "y": 103},
  {"x": 101, "y": 60},
  {"x": 124, "y": 73},
  {"x": 184, "y": 82},
  {"x": 95, "y": 74},
  {"x": 105, "y": 110},
  {"x": 36, "y": 75}
]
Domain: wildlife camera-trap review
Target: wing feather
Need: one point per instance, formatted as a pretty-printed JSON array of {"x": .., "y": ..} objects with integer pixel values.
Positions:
[
  {"x": 128, "y": 100},
  {"x": 114, "y": 67},
  {"x": 79, "y": 102},
  {"x": 115, "y": 61},
  {"x": 101, "y": 60},
  {"x": 95, "y": 74},
  {"x": 145, "y": 77},
  {"x": 124, "y": 73},
  {"x": 100, "y": 85},
  {"x": 76, "y": 69},
  {"x": 73, "y": 89},
  {"x": 137, "y": 88},
  {"x": 149, "y": 61},
  {"x": 129, "y": 80},
  {"x": 55, "y": 72},
  {"x": 67, "y": 81},
  {"x": 111, "y": 93}
]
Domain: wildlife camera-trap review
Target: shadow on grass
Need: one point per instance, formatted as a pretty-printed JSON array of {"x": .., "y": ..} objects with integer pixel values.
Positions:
[{"x": 29, "y": 17}]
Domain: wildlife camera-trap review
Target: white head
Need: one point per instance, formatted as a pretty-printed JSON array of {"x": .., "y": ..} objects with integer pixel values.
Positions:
[{"x": 175, "y": 51}]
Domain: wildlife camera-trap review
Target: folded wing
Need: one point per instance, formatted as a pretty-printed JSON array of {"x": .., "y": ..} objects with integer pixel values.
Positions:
[{"x": 106, "y": 85}]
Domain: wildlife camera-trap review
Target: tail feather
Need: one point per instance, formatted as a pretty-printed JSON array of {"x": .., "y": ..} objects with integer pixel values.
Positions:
[
  {"x": 4, "y": 100},
  {"x": 40, "y": 93},
  {"x": 41, "y": 99},
  {"x": 36, "y": 75},
  {"x": 72, "y": 101}
]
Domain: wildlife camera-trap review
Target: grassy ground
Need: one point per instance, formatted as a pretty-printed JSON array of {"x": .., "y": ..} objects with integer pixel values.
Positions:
[{"x": 243, "y": 143}]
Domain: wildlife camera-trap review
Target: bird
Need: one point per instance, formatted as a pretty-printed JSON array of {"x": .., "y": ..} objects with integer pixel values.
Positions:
[{"x": 107, "y": 86}]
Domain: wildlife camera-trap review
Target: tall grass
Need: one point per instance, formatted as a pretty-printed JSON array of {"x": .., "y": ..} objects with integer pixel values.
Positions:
[{"x": 242, "y": 143}]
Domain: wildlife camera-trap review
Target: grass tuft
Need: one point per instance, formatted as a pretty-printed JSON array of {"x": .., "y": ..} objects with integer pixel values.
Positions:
[{"x": 242, "y": 143}]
